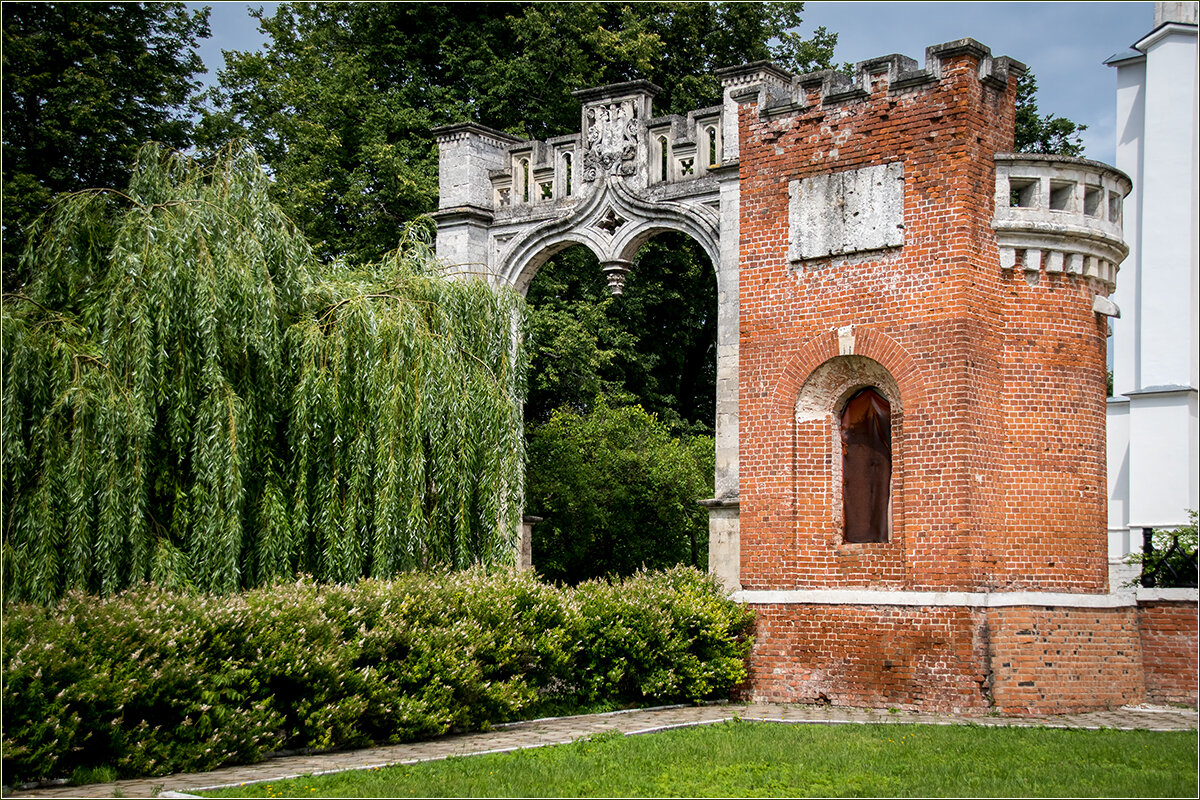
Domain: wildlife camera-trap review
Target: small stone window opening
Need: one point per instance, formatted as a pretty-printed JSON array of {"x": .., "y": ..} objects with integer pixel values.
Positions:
[
  {"x": 567, "y": 173},
  {"x": 1023, "y": 192},
  {"x": 712, "y": 147},
  {"x": 1061, "y": 195},
  {"x": 866, "y": 435},
  {"x": 663, "y": 155},
  {"x": 525, "y": 180},
  {"x": 1092, "y": 198},
  {"x": 1114, "y": 208}
]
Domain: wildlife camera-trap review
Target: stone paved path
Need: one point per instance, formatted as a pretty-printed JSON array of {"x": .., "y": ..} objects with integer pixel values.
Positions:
[{"x": 538, "y": 733}]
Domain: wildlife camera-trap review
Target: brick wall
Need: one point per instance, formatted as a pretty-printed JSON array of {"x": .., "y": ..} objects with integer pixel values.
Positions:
[
  {"x": 1169, "y": 650},
  {"x": 874, "y": 656},
  {"x": 1054, "y": 504},
  {"x": 1017, "y": 660},
  {"x": 998, "y": 456},
  {"x": 996, "y": 383},
  {"x": 1060, "y": 660},
  {"x": 931, "y": 312}
]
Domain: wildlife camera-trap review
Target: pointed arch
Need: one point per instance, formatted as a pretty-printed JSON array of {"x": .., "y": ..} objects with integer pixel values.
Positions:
[{"x": 614, "y": 224}]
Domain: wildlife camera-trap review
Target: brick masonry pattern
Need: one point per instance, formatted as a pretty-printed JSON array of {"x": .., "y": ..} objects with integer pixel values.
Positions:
[{"x": 998, "y": 440}]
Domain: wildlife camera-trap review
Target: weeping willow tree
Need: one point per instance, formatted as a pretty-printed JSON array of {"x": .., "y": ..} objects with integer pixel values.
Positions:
[{"x": 190, "y": 398}]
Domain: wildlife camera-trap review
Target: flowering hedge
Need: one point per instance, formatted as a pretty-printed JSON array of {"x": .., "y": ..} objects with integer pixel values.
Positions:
[{"x": 151, "y": 681}]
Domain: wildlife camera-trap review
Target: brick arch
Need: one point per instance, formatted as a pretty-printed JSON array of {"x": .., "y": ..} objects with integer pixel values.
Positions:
[
  {"x": 822, "y": 374},
  {"x": 867, "y": 342}
]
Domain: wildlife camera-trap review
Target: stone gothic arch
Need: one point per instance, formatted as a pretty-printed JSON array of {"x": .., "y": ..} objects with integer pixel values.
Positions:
[
  {"x": 613, "y": 222},
  {"x": 507, "y": 205}
]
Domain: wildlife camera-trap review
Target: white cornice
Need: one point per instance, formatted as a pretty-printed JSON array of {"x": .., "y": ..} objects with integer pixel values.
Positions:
[{"x": 1163, "y": 31}]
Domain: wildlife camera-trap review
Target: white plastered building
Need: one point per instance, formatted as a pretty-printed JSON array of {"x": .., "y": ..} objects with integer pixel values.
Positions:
[{"x": 1152, "y": 416}]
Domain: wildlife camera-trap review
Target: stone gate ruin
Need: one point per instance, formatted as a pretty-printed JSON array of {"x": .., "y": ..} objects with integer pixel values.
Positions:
[{"x": 899, "y": 297}]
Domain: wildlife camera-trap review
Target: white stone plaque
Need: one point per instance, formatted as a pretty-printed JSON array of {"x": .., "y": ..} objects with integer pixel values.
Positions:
[{"x": 846, "y": 212}]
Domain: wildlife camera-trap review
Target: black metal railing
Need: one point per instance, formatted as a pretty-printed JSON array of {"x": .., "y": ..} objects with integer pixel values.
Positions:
[{"x": 1166, "y": 563}]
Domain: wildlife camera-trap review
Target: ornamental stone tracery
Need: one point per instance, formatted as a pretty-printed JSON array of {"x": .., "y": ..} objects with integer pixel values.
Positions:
[
  {"x": 612, "y": 140},
  {"x": 507, "y": 205}
]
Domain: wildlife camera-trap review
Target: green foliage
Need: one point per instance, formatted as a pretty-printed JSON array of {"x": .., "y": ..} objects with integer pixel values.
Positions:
[
  {"x": 1172, "y": 561},
  {"x": 616, "y": 490},
  {"x": 765, "y": 759},
  {"x": 151, "y": 681},
  {"x": 190, "y": 399},
  {"x": 577, "y": 342},
  {"x": 406, "y": 423},
  {"x": 1036, "y": 133},
  {"x": 654, "y": 345},
  {"x": 85, "y": 84},
  {"x": 342, "y": 100},
  {"x": 617, "y": 493}
]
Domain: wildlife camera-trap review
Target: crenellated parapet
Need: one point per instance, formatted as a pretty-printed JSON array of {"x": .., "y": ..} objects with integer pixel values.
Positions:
[
  {"x": 1061, "y": 215},
  {"x": 778, "y": 92}
]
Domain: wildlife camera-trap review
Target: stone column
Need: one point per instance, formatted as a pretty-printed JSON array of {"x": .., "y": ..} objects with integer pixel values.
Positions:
[{"x": 724, "y": 543}]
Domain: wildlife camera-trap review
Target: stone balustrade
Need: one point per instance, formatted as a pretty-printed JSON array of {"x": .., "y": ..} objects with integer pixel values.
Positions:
[
  {"x": 619, "y": 138},
  {"x": 1056, "y": 214}
]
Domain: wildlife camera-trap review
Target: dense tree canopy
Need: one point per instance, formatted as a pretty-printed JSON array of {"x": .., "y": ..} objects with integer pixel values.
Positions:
[
  {"x": 191, "y": 398},
  {"x": 617, "y": 493},
  {"x": 85, "y": 85},
  {"x": 341, "y": 102},
  {"x": 654, "y": 345}
]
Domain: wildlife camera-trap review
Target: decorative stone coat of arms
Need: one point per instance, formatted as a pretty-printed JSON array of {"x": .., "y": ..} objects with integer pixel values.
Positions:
[{"x": 611, "y": 144}]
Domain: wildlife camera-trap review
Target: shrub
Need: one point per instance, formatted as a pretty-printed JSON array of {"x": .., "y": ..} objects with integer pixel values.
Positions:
[
  {"x": 152, "y": 681},
  {"x": 617, "y": 494}
]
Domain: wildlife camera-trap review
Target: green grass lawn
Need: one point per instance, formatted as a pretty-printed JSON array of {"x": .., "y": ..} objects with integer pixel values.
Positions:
[{"x": 755, "y": 759}]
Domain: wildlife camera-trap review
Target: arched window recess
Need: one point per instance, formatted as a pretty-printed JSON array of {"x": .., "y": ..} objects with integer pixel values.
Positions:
[{"x": 866, "y": 437}]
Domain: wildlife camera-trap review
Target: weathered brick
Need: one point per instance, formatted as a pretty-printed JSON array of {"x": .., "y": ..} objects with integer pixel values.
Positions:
[{"x": 998, "y": 436}]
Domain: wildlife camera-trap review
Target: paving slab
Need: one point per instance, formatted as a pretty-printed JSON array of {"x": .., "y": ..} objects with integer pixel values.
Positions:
[{"x": 560, "y": 730}]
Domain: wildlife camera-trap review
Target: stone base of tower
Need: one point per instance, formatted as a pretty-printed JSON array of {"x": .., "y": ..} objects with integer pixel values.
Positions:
[{"x": 974, "y": 653}]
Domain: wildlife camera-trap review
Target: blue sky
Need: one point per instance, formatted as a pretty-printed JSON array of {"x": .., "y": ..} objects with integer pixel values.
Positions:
[{"x": 1064, "y": 44}]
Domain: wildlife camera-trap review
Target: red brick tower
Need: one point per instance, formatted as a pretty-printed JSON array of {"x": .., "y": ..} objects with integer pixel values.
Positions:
[{"x": 939, "y": 543}]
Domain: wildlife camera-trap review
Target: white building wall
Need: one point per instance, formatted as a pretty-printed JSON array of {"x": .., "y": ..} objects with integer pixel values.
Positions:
[
  {"x": 1152, "y": 420},
  {"x": 1168, "y": 212},
  {"x": 1131, "y": 119}
]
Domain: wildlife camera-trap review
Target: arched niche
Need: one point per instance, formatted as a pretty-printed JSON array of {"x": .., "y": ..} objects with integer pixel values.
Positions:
[{"x": 847, "y": 407}]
